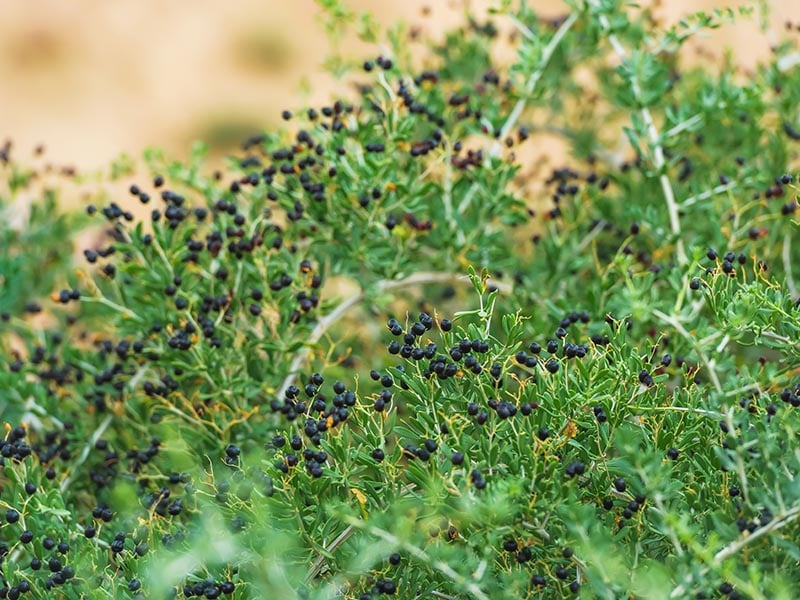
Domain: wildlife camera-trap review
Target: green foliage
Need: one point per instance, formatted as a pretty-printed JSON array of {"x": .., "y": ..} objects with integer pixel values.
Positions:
[{"x": 365, "y": 360}]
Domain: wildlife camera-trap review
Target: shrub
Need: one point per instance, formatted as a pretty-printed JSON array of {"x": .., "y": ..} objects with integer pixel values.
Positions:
[{"x": 369, "y": 359}]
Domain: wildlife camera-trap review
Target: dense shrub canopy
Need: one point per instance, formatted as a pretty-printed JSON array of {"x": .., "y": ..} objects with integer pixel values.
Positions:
[{"x": 384, "y": 352}]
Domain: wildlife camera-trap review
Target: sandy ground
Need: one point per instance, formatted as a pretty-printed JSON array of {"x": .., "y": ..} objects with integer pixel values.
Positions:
[{"x": 93, "y": 78}]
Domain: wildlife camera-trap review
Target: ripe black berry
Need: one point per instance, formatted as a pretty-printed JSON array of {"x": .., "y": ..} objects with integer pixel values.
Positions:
[
  {"x": 378, "y": 454},
  {"x": 538, "y": 581},
  {"x": 477, "y": 479},
  {"x": 575, "y": 468},
  {"x": 394, "y": 327}
]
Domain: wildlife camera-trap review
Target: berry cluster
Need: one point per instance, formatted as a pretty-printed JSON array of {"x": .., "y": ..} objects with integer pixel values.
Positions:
[{"x": 194, "y": 402}]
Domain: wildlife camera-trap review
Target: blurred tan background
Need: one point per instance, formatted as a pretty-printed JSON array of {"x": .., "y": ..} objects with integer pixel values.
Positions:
[{"x": 90, "y": 79}]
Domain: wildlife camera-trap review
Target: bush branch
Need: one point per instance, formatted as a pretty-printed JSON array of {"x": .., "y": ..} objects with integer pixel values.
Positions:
[
  {"x": 446, "y": 570},
  {"x": 709, "y": 364},
  {"x": 530, "y": 85},
  {"x": 733, "y": 548},
  {"x": 98, "y": 433},
  {"x": 776, "y": 523},
  {"x": 326, "y": 322},
  {"x": 655, "y": 141}
]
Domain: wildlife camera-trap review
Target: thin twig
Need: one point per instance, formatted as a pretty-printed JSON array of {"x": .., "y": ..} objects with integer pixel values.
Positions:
[
  {"x": 595, "y": 231},
  {"x": 734, "y": 547},
  {"x": 523, "y": 29},
  {"x": 708, "y": 193},
  {"x": 316, "y": 567},
  {"x": 787, "y": 264},
  {"x": 113, "y": 305},
  {"x": 683, "y": 125},
  {"x": 710, "y": 366},
  {"x": 686, "y": 409}
]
